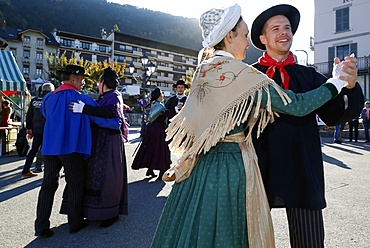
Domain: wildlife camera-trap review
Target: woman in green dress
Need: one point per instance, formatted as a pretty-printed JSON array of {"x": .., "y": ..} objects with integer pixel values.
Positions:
[{"x": 218, "y": 199}]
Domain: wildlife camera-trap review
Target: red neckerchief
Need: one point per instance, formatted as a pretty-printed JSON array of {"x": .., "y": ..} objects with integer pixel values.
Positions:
[
  {"x": 65, "y": 86},
  {"x": 266, "y": 60}
]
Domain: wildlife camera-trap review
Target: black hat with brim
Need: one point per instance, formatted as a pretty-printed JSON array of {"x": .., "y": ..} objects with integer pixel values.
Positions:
[
  {"x": 286, "y": 10},
  {"x": 74, "y": 69},
  {"x": 180, "y": 82},
  {"x": 155, "y": 94}
]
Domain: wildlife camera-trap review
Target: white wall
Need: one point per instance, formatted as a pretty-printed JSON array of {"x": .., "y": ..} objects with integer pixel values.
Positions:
[{"x": 325, "y": 35}]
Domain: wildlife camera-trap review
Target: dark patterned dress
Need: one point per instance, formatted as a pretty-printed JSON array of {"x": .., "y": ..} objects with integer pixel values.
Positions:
[
  {"x": 106, "y": 172},
  {"x": 153, "y": 152}
]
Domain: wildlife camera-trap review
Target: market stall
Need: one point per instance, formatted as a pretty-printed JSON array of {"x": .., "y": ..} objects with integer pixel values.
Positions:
[{"x": 11, "y": 81}]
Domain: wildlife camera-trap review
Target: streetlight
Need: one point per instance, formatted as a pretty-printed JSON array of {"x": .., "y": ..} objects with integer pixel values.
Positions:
[
  {"x": 305, "y": 53},
  {"x": 149, "y": 69}
]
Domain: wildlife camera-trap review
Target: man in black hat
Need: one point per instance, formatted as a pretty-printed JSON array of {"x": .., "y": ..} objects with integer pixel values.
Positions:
[
  {"x": 176, "y": 102},
  {"x": 67, "y": 142},
  {"x": 35, "y": 122},
  {"x": 289, "y": 149}
]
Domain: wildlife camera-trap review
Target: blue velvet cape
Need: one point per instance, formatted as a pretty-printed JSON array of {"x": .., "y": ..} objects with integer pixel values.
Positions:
[{"x": 66, "y": 132}]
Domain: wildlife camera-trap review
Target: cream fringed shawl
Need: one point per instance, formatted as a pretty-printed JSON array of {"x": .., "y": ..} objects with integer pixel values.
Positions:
[{"x": 222, "y": 95}]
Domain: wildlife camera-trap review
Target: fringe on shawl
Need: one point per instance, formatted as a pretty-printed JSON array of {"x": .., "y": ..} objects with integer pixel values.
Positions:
[{"x": 236, "y": 112}]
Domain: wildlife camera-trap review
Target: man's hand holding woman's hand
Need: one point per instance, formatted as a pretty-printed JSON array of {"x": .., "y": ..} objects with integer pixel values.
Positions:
[
  {"x": 77, "y": 107},
  {"x": 344, "y": 73},
  {"x": 349, "y": 67}
]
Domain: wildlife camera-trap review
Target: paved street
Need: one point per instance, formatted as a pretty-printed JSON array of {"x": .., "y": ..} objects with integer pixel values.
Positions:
[{"x": 347, "y": 170}]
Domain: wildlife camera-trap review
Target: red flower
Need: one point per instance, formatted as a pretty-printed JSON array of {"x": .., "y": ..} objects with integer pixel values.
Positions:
[
  {"x": 203, "y": 74},
  {"x": 222, "y": 77}
]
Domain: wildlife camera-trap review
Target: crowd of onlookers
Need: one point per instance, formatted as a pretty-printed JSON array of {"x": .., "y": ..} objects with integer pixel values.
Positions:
[{"x": 353, "y": 126}]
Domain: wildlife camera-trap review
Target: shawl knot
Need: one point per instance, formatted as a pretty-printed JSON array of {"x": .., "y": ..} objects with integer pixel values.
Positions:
[{"x": 266, "y": 60}]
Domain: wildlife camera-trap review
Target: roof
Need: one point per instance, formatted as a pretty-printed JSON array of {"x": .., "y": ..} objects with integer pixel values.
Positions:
[
  {"x": 10, "y": 76},
  {"x": 82, "y": 37},
  {"x": 32, "y": 30},
  {"x": 51, "y": 41},
  {"x": 10, "y": 33}
]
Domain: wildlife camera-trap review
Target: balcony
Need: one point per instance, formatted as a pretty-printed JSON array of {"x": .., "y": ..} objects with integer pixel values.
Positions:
[
  {"x": 26, "y": 60},
  {"x": 102, "y": 50},
  {"x": 124, "y": 50},
  {"x": 137, "y": 63},
  {"x": 40, "y": 46},
  {"x": 179, "y": 70},
  {"x": 164, "y": 68},
  {"x": 363, "y": 65},
  {"x": 26, "y": 44},
  {"x": 178, "y": 59},
  {"x": 163, "y": 78},
  {"x": 39, "y": 61},
  {"x": 190, "y": 62},
  {"x": 137, "y": 53},
  {"x": 164, "y": 58},
  {"x": 127, "y": 51}
]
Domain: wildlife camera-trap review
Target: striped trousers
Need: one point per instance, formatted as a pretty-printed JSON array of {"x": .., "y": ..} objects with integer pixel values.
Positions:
[
  {"x": 73, "y": 165},
  {"x": 306, "y": 228}
]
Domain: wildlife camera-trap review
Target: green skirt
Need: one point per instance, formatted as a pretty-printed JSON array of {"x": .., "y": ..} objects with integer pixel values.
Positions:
[{"x": 209, "y": 208}]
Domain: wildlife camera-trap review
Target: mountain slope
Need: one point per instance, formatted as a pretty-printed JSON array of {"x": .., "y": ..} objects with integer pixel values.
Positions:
[{"x": 88, "y": 17}]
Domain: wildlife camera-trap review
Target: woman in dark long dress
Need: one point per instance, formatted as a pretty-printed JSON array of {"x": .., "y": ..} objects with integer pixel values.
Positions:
[
  {"x": 106, "y": 170},
  {"x": 153, "y": 152}
]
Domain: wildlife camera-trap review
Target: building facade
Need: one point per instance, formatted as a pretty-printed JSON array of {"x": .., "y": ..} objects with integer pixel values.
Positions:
[
  {"x": 30, "y": 48},
  {"x": 82, "y": 46},
  {"x": 172, "y": 62},
  {"x": 342, "y": 28}
]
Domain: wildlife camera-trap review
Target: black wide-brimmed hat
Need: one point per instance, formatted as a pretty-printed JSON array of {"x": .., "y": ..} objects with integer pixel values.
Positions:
[
  {"x": 74, "y": 69},
  {"x": 180, "y": 82},
  {"x": 286, "y": 10},
  {"x": 155, "y": 94}
]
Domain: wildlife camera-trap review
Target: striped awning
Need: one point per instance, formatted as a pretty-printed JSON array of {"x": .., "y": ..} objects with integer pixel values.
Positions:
[{"x": 10, "y": 76}]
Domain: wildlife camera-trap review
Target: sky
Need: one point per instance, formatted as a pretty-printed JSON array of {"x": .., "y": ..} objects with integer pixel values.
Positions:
[{"x": 250, "y": 10}]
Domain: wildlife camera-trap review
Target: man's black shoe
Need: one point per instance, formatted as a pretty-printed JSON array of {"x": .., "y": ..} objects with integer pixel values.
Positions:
[
  {"x": 46, "y": 233},
  {"x": 84, "y": 224}
]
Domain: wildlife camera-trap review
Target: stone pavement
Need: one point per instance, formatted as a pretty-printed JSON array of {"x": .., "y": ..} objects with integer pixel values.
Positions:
[{"x": 347, "y": 225}]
